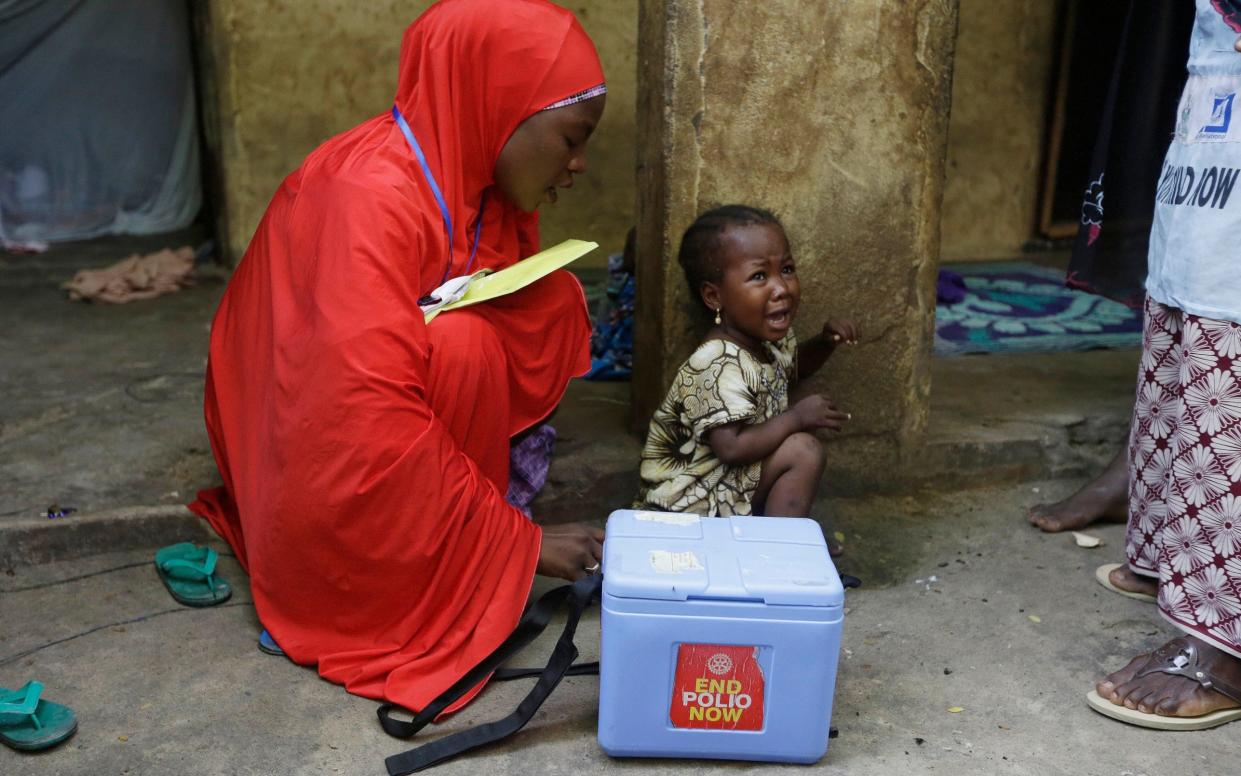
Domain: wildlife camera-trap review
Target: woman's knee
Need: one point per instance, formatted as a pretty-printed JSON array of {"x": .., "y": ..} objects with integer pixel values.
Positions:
[{"x": 463, "y": 344}]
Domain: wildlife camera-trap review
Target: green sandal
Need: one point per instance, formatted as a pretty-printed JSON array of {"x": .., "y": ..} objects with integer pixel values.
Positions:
[
  {"x": 188, "y": 571},
  {"x": 29, "y": 723}
]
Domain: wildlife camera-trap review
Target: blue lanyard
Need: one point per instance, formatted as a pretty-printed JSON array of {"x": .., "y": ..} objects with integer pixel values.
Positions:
[{"x": 439, "y": 197}]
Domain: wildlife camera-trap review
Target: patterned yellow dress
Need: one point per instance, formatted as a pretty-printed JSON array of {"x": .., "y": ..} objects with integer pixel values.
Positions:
[{"x": 720, "y": 383}]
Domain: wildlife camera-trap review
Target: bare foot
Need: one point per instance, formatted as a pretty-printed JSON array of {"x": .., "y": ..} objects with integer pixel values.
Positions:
[
  {"x": 1170, "y": 695},
  {"x": 1078, "y": 511},
  {"x": 1106, "y": 497},
  {"x": 1126, "y": 580}
]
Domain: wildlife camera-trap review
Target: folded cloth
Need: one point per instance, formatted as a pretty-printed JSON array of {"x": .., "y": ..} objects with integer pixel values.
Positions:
[{"x": 137, "y": 277}]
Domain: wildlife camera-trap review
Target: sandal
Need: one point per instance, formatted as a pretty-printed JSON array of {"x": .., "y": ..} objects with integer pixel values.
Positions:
[
  {"x": 1103, "y": 576},
  {"x": 188, "y": 571},
  {"x": 1183, "y": 662},
  {"x": 268, "y": 645},
  {"x": 29, "y": 723}
]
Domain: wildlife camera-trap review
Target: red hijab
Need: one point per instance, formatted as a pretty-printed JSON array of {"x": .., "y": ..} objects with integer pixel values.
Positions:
[
  {"x": 377, "y": 548},
  {"x": 470, "y": 73}
]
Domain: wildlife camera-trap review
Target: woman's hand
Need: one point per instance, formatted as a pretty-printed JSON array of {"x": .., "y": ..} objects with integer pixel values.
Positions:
[{"x": 570, "y": 551}]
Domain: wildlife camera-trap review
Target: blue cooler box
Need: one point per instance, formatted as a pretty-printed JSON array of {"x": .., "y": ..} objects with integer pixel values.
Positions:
[{"x": 720, "y": 637}]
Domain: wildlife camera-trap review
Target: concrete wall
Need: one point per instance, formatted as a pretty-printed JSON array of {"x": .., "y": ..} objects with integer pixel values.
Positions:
[
  {"x": 282, "y": 77},
  {"x": 1000, "y": 107},
  {"x": 834, "y": 114}
]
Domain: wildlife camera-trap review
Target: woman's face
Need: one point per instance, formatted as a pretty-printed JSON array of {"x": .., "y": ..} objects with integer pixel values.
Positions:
[{"x": 545, "y": 152}]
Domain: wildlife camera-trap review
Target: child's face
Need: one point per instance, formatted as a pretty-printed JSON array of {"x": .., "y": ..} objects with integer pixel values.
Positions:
[{"x": 759, "y": 291}]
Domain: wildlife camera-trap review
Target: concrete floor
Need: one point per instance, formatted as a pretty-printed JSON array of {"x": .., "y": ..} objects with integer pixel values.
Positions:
[
  {"x": 101, "y": 411},
  {"x": 102, "y": 404},
  {"x": 163, "y": 689}
]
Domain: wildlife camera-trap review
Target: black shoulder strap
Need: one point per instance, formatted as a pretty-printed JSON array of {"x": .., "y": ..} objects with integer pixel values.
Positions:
[
  {"x": 579, "y": 595},
  {"x": 577, "y": 669}
]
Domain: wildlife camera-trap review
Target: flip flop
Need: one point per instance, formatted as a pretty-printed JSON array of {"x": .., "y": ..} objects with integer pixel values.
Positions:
[
  {"x": 1101, "y": 574},
  {"x": 29, "y": 723},
  {"x": 1158, "y": 721},
  {"x": 268, "y": 645},
  {"x": 188, "y": 571},
  {"x": 1182, "y": 659}
]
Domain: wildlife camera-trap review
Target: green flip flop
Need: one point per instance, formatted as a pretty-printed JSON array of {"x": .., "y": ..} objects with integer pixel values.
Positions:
[
  {"x": 29, "y": 723},
  {"x": 188, "y": 571}
]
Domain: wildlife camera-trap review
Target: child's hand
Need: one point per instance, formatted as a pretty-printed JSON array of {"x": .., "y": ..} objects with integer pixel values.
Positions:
[
  {"x": 818, "y": 411},
  {"x": 839, "y": 331}
]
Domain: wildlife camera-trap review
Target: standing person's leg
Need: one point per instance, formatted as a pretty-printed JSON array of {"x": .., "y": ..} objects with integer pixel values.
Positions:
[
  {"x": 1196, "y": 547},
  {"x": 1105, "y": 498},
  {"x": 1150, "y": 451}
]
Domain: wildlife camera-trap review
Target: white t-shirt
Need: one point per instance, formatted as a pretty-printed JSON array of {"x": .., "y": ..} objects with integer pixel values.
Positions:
[{"x": 1195, "y": 246}]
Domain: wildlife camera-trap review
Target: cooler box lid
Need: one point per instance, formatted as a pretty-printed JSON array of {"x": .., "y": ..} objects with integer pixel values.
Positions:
[{"x": 680, "y": 557}]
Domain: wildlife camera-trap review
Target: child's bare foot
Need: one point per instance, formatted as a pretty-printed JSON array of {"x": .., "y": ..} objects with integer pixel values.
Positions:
[
  {"x": 1171, "y": 695},
  {"x": 1106, "y": 497},
  {"x": 1124, "y": 578}
]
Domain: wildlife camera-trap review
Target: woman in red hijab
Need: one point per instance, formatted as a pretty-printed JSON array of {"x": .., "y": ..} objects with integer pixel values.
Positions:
[{"x": 364, "y": 453}]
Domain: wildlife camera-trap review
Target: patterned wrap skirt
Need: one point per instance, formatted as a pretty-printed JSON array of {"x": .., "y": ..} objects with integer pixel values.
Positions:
[{"x": 1185, "y": 472}]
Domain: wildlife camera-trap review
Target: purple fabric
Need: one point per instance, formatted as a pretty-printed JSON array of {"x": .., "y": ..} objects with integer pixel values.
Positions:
[
  {"x": 529, "y": 461},
  {"x": 949, "y": 287}
]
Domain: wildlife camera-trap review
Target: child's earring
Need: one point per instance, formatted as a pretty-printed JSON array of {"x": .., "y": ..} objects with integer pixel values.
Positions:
[{"x": 717, "y": 316}]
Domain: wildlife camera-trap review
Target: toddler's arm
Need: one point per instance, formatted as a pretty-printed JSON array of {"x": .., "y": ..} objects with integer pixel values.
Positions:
[
  {"x": 742, "y": 443},
  {"x": 814, "y": 352}
]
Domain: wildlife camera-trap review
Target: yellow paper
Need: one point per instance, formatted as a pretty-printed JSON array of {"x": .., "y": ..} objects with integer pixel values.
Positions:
[{"x": 520, "y": 275}]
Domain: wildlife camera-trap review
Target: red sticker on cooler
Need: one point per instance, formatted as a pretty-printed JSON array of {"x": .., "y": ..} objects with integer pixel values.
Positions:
[{"x": 717, "y": 687}]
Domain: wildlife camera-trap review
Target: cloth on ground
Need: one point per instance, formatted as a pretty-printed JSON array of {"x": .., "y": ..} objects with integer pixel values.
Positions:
[
  {"x": 529, "y": 461},
  {"x": 611, "y": 343},
  {"x": 1018, "y": 307},
  {"x": 137, "y": 277}
]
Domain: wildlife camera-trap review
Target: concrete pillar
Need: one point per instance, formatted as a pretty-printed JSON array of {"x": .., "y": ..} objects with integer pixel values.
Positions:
[{"x": 834, "y": 114}]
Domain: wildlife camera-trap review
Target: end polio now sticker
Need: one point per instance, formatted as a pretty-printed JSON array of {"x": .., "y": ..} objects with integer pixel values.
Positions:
[{"x": 717, "y": 687}]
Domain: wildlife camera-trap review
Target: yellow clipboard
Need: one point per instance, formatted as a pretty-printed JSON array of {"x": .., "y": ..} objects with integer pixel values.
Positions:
[{"x": 520, "y": 275}]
